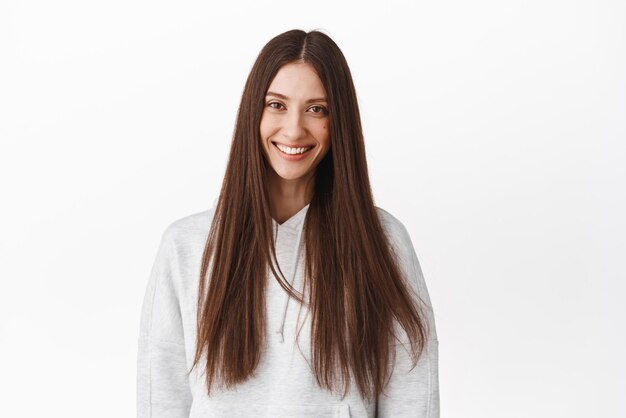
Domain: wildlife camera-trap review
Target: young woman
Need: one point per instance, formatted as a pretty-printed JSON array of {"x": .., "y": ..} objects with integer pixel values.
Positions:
[{"x": 294, "y": 295}]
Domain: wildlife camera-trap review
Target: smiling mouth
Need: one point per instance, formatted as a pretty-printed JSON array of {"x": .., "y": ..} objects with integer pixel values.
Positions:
[{"x": 306, "y": 148}]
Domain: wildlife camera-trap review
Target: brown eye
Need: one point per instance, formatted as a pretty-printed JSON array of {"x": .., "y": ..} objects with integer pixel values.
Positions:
[
  {"x": 320, "y": 109},
  {"x": 274, "y": 103}
]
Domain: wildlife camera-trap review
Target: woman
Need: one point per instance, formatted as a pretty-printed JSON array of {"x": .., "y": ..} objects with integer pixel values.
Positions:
[{"x": 220, "y": 334}]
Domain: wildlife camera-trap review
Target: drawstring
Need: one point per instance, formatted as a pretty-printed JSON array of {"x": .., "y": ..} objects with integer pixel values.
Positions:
[{"x": 293, "y": 276}]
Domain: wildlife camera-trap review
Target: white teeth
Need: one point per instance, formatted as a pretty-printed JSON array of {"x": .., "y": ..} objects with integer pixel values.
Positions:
[{"x": 288, "y": 150}]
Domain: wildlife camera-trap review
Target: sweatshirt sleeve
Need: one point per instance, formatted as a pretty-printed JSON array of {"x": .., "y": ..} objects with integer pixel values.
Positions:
[
  {"x": 413, "y": 392},
  {"x": 162, "y": 386}
]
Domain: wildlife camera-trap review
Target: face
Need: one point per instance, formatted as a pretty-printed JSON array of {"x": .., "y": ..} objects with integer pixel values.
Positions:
[{"x": 294, "y": 124}]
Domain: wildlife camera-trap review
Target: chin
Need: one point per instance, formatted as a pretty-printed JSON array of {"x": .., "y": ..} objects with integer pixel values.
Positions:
[{"x": 291, "y": 176}]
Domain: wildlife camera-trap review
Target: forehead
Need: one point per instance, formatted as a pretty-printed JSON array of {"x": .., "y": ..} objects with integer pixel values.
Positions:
[{"x": 297, "y": 80}]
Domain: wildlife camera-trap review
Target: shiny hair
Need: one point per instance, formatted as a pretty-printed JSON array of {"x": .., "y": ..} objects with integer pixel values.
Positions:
[{"x": 354, "y": 280}]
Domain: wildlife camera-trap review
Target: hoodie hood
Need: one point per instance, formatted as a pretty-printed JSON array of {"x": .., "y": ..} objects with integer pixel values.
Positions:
[{"x": 288, "y": 242}]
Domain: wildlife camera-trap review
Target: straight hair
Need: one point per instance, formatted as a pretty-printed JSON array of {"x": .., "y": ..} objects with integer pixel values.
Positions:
[{"x": 351, "y": 271}]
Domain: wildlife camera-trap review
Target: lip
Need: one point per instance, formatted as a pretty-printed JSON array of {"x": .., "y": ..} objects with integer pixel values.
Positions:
[
  {"x": 293, "y": 146},
  {"x": 292, "y": 157}
]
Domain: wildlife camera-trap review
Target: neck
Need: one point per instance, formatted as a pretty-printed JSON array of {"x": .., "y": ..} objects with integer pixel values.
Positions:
[{"x": 287, "y": 197}]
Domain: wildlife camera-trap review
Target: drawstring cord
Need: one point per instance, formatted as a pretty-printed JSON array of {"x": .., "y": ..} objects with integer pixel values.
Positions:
[{"x": 293, "y": 276}]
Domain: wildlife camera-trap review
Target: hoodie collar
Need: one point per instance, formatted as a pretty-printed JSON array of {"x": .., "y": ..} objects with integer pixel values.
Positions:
[{"x": 295, "y": 222}]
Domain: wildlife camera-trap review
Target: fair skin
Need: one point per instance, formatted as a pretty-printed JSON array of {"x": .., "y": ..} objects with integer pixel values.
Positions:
[{"x": 295, "y": 115}]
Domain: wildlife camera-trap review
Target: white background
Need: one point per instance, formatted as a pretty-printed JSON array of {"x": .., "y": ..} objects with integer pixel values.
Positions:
[{"x": 495, "y": 131}]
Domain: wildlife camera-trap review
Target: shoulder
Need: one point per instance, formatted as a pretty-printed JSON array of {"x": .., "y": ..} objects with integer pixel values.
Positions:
[
  {"x": 400, "y": 241},
  {"x": 188, "y": 231},
  {"x": 394, "y": 228},
  {"x": 409, "y": 263}
]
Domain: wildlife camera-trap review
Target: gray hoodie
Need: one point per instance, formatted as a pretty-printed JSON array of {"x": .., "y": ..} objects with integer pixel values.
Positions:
[{"x": 283, "y": 385}]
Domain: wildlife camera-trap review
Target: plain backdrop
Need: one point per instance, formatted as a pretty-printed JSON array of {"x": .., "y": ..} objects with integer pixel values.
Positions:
[{"x": 495, "y": 131}]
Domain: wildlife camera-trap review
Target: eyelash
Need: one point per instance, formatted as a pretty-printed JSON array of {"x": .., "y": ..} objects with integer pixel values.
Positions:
[{"x": 323, "y": 111}]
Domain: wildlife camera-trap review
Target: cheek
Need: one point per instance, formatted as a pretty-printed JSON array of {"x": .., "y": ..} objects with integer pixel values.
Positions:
[
  {"x": 322, "y": 134},
  {"x": 269, "y": 126},
  {"x": 265, "y": 130}
]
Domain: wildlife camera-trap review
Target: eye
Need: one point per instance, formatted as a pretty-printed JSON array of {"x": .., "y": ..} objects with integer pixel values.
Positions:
[
  {"x": 321, "y": 109},
  {"x": 274, "y": 103}
]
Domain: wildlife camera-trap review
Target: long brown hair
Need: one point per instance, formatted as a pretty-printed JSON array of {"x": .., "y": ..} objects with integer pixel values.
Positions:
[{"x": 354, "y": 280}]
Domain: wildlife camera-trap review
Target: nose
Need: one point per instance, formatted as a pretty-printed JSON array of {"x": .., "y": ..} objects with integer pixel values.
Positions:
[{"x": 293, "y": 127}]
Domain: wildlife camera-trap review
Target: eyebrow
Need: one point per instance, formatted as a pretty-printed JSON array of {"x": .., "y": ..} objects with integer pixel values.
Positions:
[{"x": 282, "y": 96}]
